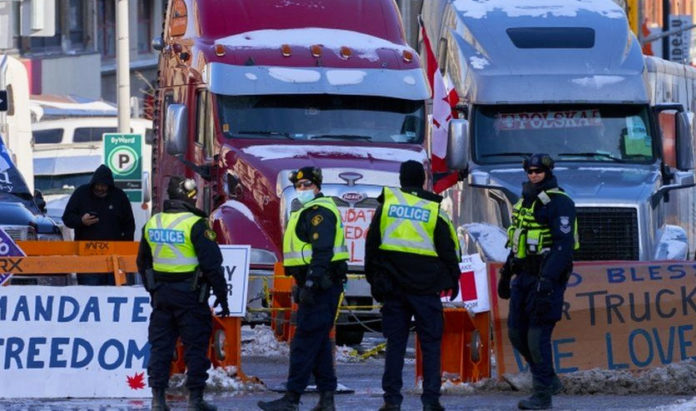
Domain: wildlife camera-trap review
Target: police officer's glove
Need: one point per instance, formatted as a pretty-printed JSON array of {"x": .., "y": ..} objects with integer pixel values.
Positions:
[
  {"x": 542, "y": 302},
  {"x": 544, "y": 287},
  {"x": 504, "y": 276},
  {"x": 307, "y": 293},
  {"x": 454, "y": 291},
  {"x": 225, "y": 308}
]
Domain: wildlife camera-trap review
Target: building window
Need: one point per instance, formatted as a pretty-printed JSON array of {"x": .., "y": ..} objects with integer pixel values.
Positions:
[
  {"x": 144, "y": 26},
  {"x": 48, "y": 44},
  {"x": 106, "y": 28},
  {"x": 77, "y": 24}
]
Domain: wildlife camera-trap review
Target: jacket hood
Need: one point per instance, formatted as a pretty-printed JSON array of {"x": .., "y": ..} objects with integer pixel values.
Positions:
[{"x": 102, "y": 175}]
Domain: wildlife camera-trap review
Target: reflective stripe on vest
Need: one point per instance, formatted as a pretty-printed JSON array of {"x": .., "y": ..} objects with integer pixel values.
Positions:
[
  {"x": 169, "y": 237},
  {"x": 408, "y": 223},
  {"x": 297, "y": 252},
  {"x": 526, "y": 236}
]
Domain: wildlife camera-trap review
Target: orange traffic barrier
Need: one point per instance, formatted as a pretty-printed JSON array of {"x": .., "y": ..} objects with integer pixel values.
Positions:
[
  {"x": 60, "y": 257},
  {"x": 281, "y": 304},
  {"x": 465, "y": 354}
]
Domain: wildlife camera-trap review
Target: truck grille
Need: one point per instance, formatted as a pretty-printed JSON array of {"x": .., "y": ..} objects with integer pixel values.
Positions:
[{"x": 607, "y": 233}]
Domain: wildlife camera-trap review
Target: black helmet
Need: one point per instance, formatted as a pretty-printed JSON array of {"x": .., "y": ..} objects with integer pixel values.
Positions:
[
  {"x": 180, "y": 188},
  {"x": 538, "y": 160},
  {"x": 310, "y": 173}
]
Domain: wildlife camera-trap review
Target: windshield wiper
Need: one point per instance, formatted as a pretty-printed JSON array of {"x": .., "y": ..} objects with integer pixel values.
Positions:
[
  {"x": 507, "y": 155},
  {"x": 340, "y": 137},
  {"x": 592, "y": 154},
  {"x": 265, "y": 133}
]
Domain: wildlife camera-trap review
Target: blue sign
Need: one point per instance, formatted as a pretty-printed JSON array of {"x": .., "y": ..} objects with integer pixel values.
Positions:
[{"x": 8, "y": 248}]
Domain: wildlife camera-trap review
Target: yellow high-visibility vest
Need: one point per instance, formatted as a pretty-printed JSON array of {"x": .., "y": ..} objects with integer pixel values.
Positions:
[
  {"x": 525, "y": 235},
  {"x": 407, "y": 223},
  {"x": 297, "y": 252},
  {"x": 169, "y": 237}
]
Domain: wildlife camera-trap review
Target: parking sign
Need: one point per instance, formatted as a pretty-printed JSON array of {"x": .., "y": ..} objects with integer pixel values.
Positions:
[{"x": 123, "y": 155}]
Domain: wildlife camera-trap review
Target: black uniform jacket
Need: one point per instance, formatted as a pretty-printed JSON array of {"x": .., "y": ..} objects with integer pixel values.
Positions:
[
  {"x": 317, "y": 226},
  {"x": 414, "y": 274},
  {"x": 559, "y": 216},
  {"x": 207, "y": 250},
  {"x": 116, "y": 222}
]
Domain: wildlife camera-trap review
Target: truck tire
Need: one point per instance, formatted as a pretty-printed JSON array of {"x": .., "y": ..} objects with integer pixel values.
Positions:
[{"x": 349, "y": 336}]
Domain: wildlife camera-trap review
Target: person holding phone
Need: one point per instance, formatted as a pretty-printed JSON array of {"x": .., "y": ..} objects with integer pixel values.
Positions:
[{"x": 99, "y": 211}]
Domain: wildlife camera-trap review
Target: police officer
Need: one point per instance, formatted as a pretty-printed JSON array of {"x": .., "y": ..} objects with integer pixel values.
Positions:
[
  {"x": 314, "y": 253},
  {"x": 542, "y": 238},
  {"x": 411, "y": 255},
  {"x": 179, "y": 259}
]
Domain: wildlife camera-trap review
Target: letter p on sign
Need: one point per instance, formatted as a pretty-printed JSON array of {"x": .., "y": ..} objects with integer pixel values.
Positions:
[{"x": 123, "y": 160}]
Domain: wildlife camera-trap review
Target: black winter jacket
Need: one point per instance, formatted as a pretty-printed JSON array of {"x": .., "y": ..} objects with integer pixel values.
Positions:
[
  {"x": 414, "y": 274},
  {"x": 116, "y": 222},
  {"x": 207, "y": 250}
]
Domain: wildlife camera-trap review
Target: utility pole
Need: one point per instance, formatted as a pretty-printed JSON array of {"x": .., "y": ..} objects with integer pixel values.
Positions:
[
  {"x": 122, "y": 66},
  {"x": 665, "y": 28}
]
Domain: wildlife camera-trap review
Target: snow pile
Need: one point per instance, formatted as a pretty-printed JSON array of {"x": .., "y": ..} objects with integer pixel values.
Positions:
[
  {"x": 220, "y": 379},
  {"x": 260, "y": 341},
  {"x": 672, "y": 379}
]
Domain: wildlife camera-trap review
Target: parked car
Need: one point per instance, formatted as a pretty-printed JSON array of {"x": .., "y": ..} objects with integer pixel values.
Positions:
[{"x": 22, "y": 214}]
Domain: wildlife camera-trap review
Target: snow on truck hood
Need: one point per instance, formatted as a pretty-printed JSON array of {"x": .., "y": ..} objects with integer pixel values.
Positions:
[
  {"x": 378, "y": 165},
  {"x": 277, "y": 151}
]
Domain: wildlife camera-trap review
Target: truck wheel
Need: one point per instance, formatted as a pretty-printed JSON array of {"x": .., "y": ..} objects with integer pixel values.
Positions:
[
  {"x": 349, "y": 336},
  {"x": 475, "y": 346}
]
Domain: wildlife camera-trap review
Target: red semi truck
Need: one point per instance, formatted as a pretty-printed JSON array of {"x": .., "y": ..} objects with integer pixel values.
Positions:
[{"x": 249, "y": 91}]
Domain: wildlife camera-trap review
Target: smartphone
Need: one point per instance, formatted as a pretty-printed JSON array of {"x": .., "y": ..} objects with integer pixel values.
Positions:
[{"x": 93, "y": 213}]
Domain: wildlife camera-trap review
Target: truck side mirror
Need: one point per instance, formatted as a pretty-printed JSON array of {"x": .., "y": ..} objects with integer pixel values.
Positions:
[
  {"x": 176, "y": 129},
  {"x": 685, "y": 150},
  {"x": 40, "y": 201},
  {"x": 458, "y": 145}
]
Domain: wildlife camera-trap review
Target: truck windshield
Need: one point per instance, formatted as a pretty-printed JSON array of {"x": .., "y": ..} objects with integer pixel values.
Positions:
[
  {"x": 61, "y": 184},
  {"x": 322, "y": 117},
  {"x": 601, "y": 133}
]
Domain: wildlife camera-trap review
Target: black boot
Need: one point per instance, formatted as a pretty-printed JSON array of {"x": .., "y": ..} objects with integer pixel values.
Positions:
[
  {"x": 288, "y": 402},
  {"x": 556, "y": 385},
  {"x": 197, "y": 403},
  {"x": 433, "y": 406},
  {"x": 540, "y": 400},
  {"x": 159, "y": 400},
  {"x": 326, "y": 402}
]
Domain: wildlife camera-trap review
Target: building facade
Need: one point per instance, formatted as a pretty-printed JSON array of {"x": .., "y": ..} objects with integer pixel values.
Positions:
[{"x": 80, "y": 58}]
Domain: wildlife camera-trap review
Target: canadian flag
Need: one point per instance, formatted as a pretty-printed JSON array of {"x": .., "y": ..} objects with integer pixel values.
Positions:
[{"x": 445, "y": 98}]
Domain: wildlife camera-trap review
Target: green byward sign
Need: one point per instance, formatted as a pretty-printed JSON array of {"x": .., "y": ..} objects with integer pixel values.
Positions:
[{"x": 123, "y": 155}]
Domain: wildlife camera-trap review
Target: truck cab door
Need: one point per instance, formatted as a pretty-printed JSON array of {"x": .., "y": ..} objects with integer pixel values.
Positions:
[{"x": 203, "y": 150}]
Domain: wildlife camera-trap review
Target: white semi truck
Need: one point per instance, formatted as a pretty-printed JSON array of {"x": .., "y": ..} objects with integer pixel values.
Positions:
[{"x": 568, "y": 79}]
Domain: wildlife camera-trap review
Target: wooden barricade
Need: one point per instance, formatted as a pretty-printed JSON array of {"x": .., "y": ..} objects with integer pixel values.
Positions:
[
  {"x": 465, "y": 347},
  {"x": 59, "y": 257}
]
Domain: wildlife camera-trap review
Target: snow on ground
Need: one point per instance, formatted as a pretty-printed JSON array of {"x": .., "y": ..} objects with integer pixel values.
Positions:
[
  {"x": 260, "y": 341},
  {"x": 672, "y": 379}
]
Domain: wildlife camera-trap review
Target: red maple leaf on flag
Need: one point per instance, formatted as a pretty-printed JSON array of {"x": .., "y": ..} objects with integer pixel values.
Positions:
[
  {"x": 445, "y": 98},
  {"x": 137, "y": 382}
]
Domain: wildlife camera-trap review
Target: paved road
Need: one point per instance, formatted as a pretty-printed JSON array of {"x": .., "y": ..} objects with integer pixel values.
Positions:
[{"x": 363, "y": 379}]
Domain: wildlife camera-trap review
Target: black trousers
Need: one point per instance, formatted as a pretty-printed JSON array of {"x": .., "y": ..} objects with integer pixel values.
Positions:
[
  {"x": 311, "y": 350},
  {"x": 396, "y": 320},
  {"x": 177, "y": 313}
]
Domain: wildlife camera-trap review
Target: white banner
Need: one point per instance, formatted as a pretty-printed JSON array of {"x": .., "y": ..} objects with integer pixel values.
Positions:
[
  {"x": 473, "y": 285},
  {"x": 78, "y": 341}
]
